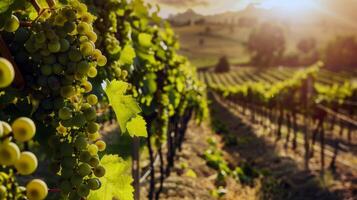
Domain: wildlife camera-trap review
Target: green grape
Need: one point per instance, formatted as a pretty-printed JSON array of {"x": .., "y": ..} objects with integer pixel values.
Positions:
[
  {"x": 94, "y": 183},
  {"x": 54, "y": 46},
  {"x": 57, "y": 69},
  {"x": 85, "y": 156},
  {"x": 92, "y": 36},
  {"x": 92, "y": 99},
  {"x": 90, "y": 114},
  {"x": 78, "y": 120},
  {"x": 102, "y": 61},
  {"x": 87, "y": 17},
  {"x": 99, "y": 171},
  {"x": 74, "y": 55},
  {"x": 83, "y": 28},
  {"x": 1, "y": 129},
  {"x": 7, "y": 73},
  {"x": 74, "y": 196},
  {"x": 50, "y": 59},
  {"x": 46, "y": 70},
  {"x": 67, "y": 91},
  {"x": 83, "y": 190},
  {"x": 92, "y": 127},
  {"x": 23, "y": 129},
  {"x": 3, "y": 192},
  {"x": 9, "y": 153},
  {"x": 65, "y": 113},
  {"x": 92, "y": 72},
  {"x": 93, "y": 149},
  {"x": 83, "y": 67},
  {"x": 94, "y": 162},
  {"x": 85, "y": 106},
  {"x": 76, "y": 180},
  {"x": 26, "y": 164},
  {"x": 84, "y": 169},
  {"x": 87, "y": 86},
  {"x": 51, "y": 34},
  {"x": 65, "y": 45},
  {"x": 11, "y": 24},
  {"x": 87, "y": 48},
  {"x": 80, "y": 143},
  {"x": 69, "y": 26},
  {"x": 101, "y": 145},
  {"x": 36, "y": 190}
]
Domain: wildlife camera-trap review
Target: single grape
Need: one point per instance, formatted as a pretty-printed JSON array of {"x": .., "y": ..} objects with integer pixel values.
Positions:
[
  {"x": 87, "y": 48},
  {"x": 66, "y": 187},
  {"x": 7, "y": 73},
  {"x": 65, "y": 45},
  {"x": 12, "y": 24},
  {"x": 9, "y": 153},
  {"x": 94, "y": 183},
  {"x": 83, "y": 190},
  {"x": 23, "y": 129},
  {"x": 27, "y": 163},
  {"x": 92, "y": 72},
  {"x": 68, "y": 162},
  {"x": 101, "y": 145},
  {"x": 85, "y": 156},
  {"x": 65, "y": 113},
  {"x": 93, "y": 137},
  {"x": 83, "y": 67},
  {"x": 87, "y": 86},
  {"x": 54, "y": 46},
  {"x": 93, "y": 149},
  {"x": 67, "y": 91},
  {"x": 76, "y": 180},
  {"x": 92, "y": 99},
  {"x": 46, "y": 70},
  {"x": 75, "y": 55},
  {"x": 90, "y": 114},
  {"x": 80, "y": 143},
  {"x": 102, "y": 61},
  {"x": 66, "y": 173},
  {"x": 83, "y": 28},
  {"x": 3, "y": 192},
  {"x": 84, "y": 169},
  {"x": 36, "y": 190},
  {"x": 92, "y": 127},
  {"x": 92, "y": 36},
  {"x": 99, "y": 171},
  {"x": 94, "y": 161}
]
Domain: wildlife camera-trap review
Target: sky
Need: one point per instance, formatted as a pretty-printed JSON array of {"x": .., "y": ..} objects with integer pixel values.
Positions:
[{"x": 218, "y": 6}]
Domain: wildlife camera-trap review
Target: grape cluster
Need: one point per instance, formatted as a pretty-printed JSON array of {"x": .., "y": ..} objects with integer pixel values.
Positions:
[
  {"x": 62, "y": 58},
  {"x": 13, "y": 161}
]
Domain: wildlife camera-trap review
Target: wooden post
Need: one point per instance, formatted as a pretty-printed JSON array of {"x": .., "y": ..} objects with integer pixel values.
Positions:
[
  {"x": 307, "y": 121},
  {"x": 136, "y": 167}
]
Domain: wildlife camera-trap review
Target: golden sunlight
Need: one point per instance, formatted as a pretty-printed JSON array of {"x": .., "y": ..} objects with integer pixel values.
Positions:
[{"x": 291, "y": 6}]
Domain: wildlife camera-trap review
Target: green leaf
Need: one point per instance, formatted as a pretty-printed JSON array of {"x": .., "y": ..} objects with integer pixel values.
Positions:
[
  {"x": 125, "y": 106},
  {"x": 137, "y": 127},
  {"x": 127, "y": 55},
  {"x": 145, "y": 39},
  {"x": 116, "y": 183}
]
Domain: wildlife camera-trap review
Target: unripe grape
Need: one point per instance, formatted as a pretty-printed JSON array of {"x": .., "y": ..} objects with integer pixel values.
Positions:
[
  {"x": 92, "y": 36},
  {"x": 23, "y": 129},
  {"x": 80, "y": 143},
  {"x": 26, "y": 164},
  {"x": 94, "y": 183},
  {"x": 78, "y": 120},
  {"x": 92, "y": 72},
  {"x": 85, "y": 156},
  {"x": 84, "y": 169},
  {"x": 99, "y": 171},
  {"x": 68, "y": 162},
  {"x": 54, "y": 46},
  {"x": 7, "y": 73},
  {"x": 83, "y": 190},
  {"x": 92, "y": 99},
  {"x": 87, "y": 86},
  {"x": 1, "y": 130},
  {"x": 36, "y": 190},
  {"x": 76, "y": 180},
  {"x": 64, "y": 45},
  {"x": 93, "y": 149},
  {"x": 65, "y": 113},
  {"x": 87, "y": 48},
  {"x": 75, "y": 55},
  {"x": 83, "y": 67},
  {"x": 94, "y": 136},
  {"x": 66, "y": 173},
  {"x": 67, "y": 91},
  {"x": 46, "y": 70},
  {"x": 3, "y": 192},
  {"x": 12, "y": 24},
  {"x": 102, "y": 61},
  {"x": 83, "y": 28},
  {"x": 92, "y": 127},
  {"x": 94, "y": 161},
  {"x": 9, "y": 153},
  {"x": 101, "y": 145},
  {"x": 90, "y": 114}
]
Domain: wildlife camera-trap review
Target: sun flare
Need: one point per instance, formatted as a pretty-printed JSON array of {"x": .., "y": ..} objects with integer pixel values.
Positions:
[{"x": 290, "y": 6}]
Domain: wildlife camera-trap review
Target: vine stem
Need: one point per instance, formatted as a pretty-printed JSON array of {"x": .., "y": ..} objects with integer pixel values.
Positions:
[
  {"x": 36, "y": 5},
  {"x": 5, "y": 52}
]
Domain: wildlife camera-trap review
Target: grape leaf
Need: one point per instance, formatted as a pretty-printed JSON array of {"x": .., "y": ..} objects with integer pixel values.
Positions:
[
  {"x": 145, "y": 39},
  {"x": 125, "y": 106},
  {"x": 127, "y": 55},
  {"x": 116, "y": 183},
  {"x": 137, "y": 127}
]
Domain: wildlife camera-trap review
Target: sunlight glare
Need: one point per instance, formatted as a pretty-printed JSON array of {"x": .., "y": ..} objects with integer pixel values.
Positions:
[{"x": 290, "y": 6}]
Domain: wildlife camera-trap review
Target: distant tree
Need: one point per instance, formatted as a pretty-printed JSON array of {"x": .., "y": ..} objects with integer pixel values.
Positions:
[
  {"x": 222, "y": 65},
  {"x": 306, "y": 45},
  {"x": 266, "y": 44},
  {"x": 341, "y": 53}
]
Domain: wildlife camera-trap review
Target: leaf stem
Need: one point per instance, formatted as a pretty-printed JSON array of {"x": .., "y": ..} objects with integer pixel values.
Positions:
[{"x": 36, "y": 5}]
